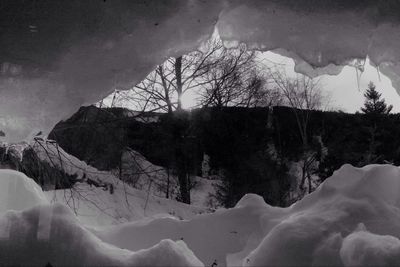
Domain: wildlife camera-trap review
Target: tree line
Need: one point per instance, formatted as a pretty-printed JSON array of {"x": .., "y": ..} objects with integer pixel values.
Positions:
[{"x": 222, "y": 78}]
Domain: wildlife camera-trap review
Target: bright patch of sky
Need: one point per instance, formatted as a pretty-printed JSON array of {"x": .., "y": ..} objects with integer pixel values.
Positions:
[{"x": 345, "y": 91}]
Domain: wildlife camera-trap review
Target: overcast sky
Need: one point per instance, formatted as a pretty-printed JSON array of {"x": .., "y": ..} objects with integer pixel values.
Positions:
[{"x": 344, "y": 92}]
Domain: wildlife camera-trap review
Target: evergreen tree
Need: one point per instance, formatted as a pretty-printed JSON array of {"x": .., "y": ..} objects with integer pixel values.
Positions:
[
  {"x": 374, "y": 107},
  {"x": 373, "y": 104}
]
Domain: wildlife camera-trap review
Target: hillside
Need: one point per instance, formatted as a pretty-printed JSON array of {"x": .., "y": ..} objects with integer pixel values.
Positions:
[
  {"x": 100, "y": 198},
  {"x": 253, "y": 150}
]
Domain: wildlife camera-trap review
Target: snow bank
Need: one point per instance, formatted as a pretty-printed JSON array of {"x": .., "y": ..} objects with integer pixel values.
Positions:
[
  {"x": 366, "y": 249},
  {"x": 313, "y": 231},
  {"x": 19, "y": 192},
  {"x": 35, "y": 233},
  {"x": 52, "y": 234},
  {"x": 323, "y": 229},
  {"x": 212, "y": 237},
  {"x": 352, "y": 219}
]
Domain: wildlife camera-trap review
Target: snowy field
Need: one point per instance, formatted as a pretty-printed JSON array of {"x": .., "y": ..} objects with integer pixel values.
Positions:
[{"x": 350, "y": 220}]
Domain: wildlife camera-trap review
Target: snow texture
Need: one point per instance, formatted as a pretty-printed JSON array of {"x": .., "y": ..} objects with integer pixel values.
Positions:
[
  {"x": 98, "y": 207},
  {"x": 350, "y": 220},
  {"x": 365, "y": 249},
  {"x": 68, "y": 53},
  {"x": 100, "y": 198},
  {"x": 19, "y": 192},
  {"x": 52, "y": 234},
  {"x": 323, "y": 228}
]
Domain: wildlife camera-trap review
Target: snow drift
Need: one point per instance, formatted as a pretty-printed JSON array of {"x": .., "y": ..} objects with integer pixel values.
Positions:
[
  {"x": 323, "y": 228},
  {"x": 350, "y": 220},
  {"x": 19, "y": 192},
  {"x": 35, "y": 233},
  {"x": 52, "y": 234}
]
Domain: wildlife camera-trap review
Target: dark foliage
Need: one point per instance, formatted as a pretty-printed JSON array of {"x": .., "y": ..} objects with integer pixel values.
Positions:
[
  {"x": 93, "y": 135},
  {"x": 237, "y": 141}
]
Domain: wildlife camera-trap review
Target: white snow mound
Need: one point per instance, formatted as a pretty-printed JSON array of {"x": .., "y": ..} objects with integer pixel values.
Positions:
[
  {"x": 52, "y": 234},
  {"x": 352, "y": 219},
  {"x": 320, "y": 230},
  {"x": 367, "y": 249},
  {"x": 19, "y": 192}
]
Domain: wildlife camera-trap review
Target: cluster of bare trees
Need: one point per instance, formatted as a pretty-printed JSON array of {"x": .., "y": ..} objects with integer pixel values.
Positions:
[
  {"x": 163, "y": 88},
  {"x": 222, "y": 77},
  {"x": 217, "y": 76},
  {"x": 303, "y": 94}
]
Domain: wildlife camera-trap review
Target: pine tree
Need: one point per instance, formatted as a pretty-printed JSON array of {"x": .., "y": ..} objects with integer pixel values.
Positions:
[
  {"x": 374, "y": 107},
  {"x": 373, "y": 104}
]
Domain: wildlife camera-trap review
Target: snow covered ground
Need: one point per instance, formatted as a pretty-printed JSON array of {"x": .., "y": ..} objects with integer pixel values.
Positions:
[
  {"x": 52, "y": 234},
  {"x": 97, "y": 206},
  {"x": 101, "y": 198},
  {"x": 144, "y": 175},
  {"x": 352, "y": 219}
]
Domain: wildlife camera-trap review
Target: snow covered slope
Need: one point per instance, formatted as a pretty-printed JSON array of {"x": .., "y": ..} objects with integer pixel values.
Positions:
[
  {"x": 100, "y": 198},
  {"x": 98, "y": 207},
  {"x": 51, "y": 152},
  {"x": 352, "y": 219},
  {"x": 144, "y": 175}
]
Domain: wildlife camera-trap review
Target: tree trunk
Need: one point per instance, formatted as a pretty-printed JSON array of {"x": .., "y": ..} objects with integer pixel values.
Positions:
[
  {"x": 180, "y": 158},
  {"x": 167, "y": 193},
  {"x": 180, "y": 155},
  {"x": 178, "y": 75},
  {"x": 181, "y": 169},
  {"x": 303, "y": 175},
  {"x": 166, "y": 92},
  {"x": 183, "y": 185}
]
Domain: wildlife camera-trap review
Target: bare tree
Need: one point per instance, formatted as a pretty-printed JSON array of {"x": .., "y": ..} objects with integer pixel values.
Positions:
[
  {"x": 302, "y": 94},
  {"x": 224, "y": 77},
  {"x": 221, "y": 76},
  {"x": 220, "y": 72},
  {"x": 261, "y": 92},
  {"x": 164, "y": 87},
  {"x": 231, "y": 79}
]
